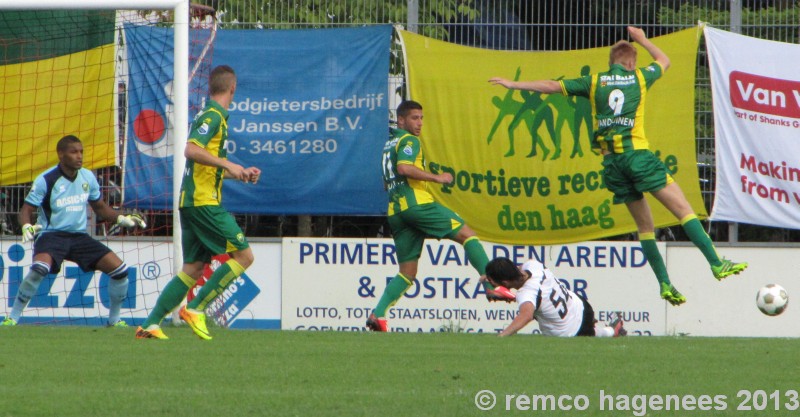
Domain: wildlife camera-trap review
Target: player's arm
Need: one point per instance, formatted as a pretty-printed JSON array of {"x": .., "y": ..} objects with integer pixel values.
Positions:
[
  {"x": 107, "y": 212},
  {"x": 658, "y": 55},
  {"x": 103, "y": 210},
  {"x": 26, "y": 213},
  {"x": 539, "y": 86},
  {"x": 522, "y": 319},
  {"x": 409, "y": 170},
  {"x": 199, "y": 155}
]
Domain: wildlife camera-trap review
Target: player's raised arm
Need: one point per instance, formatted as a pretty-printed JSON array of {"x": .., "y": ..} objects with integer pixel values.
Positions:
[
  {"x": 539, "y": 86},
  {"x": 658, "y": 55}
]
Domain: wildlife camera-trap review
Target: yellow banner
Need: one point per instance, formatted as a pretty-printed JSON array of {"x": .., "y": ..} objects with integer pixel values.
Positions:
[
  {"x": 522, "y": 174},
  {"x": 48, "y": 99}
]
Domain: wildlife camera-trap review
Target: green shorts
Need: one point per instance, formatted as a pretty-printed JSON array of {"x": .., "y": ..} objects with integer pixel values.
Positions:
[
  {"x": 631, "y": 174},
  {"x": 411, "y": 226},
  {"x": 209, "y": 231}
]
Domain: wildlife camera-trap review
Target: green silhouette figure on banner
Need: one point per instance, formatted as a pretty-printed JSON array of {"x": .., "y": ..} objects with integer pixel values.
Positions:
[{"x": 536, "y": 110}]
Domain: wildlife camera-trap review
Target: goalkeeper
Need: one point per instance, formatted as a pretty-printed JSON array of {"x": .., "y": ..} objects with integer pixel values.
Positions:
[
  {"x": 207, "y": 228},
  {"x": 60, "y": 194}
]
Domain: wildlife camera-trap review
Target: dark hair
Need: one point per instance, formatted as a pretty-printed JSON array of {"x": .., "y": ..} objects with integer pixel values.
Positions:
[
  {"x": 502, "y": 270},
  {"x": 64, "y": 142},
  {"x": 405, "y": 107},
  {"x": 221, "y": 79}
]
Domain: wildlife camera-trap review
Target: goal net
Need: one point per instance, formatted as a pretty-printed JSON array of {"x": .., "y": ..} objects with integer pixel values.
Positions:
[{"x": 110, "y": 78}]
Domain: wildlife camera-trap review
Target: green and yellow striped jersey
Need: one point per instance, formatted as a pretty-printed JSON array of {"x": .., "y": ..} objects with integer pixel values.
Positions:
[
  {"x": 202, "y": 184},
  {"x": 618, "y": 100},
  {"x": 403, "y": 148}
]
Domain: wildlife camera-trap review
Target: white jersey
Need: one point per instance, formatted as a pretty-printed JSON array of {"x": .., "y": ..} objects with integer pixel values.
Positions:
[{"x": 558, "y": 310}]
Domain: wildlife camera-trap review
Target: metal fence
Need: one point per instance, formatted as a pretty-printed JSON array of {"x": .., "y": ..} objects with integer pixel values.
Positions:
[
  {"x": 519, "y": 25},
  {"x": 551, "y": 26}
]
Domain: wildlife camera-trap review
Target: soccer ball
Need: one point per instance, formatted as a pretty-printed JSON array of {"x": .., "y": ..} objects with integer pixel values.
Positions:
[{"x": 772, "y": 299}]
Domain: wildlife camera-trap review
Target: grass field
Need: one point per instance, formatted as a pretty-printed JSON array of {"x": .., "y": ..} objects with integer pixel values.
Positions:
[{"x": 82, "y": 371}]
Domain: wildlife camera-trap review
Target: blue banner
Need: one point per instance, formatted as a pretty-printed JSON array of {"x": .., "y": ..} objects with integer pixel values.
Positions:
[
  {"x": 311, "y": 112},
  {"x": 148, "y": 151}
]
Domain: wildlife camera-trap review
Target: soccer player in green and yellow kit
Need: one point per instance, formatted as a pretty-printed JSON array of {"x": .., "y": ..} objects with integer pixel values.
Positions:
[
  {"x": 629, "y": 167},
  {"x": 207, "y": 228},
  {"x": 413, "y": 215}
]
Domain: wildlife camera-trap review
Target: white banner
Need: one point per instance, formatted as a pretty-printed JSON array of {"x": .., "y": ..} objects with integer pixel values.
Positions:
[
  {"x": 74, "y": 297},
  {"x": 756, "y": 93},
  {"x": 333, "y": 284}
]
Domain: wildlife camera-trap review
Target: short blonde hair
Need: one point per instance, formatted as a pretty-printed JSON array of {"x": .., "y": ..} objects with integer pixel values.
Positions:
[{"x": 621, "y": 51}]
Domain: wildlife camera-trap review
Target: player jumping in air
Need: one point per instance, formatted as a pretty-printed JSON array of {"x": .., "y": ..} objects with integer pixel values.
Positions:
[
  {"x": 414, "y": 215},
  {"x": 629, "y": 167},
  {"x": 60, "y": 194},
  {"x": 542, "y": 297}
]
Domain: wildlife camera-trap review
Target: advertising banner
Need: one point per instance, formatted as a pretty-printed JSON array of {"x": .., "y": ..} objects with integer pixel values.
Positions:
[
  {"x": 756, "y": 124},
  {"x": 333, "y": 284},
  {"x": 524, "y": 171},
  {"x": 75, "y": 297},
  {"x": 311, "y": 112}
]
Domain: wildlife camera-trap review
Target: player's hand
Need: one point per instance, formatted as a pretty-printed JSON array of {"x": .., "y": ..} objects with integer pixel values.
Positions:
[
  {"x": 29, "y": 232},
  {"x": 637, "y": 34},
  {"x": 131, "y": 220},
  {"x": 500, "y": 81},
  {"x": 252, "y": 175},
  {"x": 444, "y": 178},
  {"x": 237, "y": 172}
]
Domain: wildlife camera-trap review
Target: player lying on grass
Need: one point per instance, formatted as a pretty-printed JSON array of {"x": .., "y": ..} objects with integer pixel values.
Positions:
[
  {"x": 630, "y": 169},
  {"x": 60, "y": 194},
  {"x": 542, "y": 297}
]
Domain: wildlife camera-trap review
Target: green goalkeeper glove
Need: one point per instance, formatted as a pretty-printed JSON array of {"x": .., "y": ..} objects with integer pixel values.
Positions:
[
  {"x": 131, "y": 220},
  {"x": 29, "y": 231}
]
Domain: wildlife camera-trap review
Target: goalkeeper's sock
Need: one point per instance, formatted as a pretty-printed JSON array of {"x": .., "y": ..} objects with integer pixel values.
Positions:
[
  {"x": 170, "y": 297},
  {"x": 698, "y": 236},
  {"x": 28, "y": 288},
  {"x": 117, "y": 292},
  {"x": 396, "y": 288},
  {"x": 216, "y": 284},
  {"x": 653, "y": 256}
]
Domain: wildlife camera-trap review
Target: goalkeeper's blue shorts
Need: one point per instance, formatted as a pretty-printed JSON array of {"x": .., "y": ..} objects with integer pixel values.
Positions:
[
  {"x": 209, "y": 231},
  {"x": 76, "y": 247}
]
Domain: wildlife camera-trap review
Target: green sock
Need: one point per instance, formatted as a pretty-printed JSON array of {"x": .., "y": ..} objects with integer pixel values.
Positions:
[
  {"x": 396, "y": 288},
  {"x": 477, "y": 257},
  {"x": 170, "y": 297},
  {"x": 653, "y": 256},
  {"x": 216, "y": 284},
  {"x": 698, "y": 236}
]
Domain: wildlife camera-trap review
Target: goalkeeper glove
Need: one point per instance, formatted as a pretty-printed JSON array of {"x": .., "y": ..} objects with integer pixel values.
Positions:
[
  {"x": 131, "y": 220},
  {"x": 29, "y": 232}
]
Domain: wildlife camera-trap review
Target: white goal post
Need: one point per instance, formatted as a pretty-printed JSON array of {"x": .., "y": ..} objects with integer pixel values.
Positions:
[{"x": 181, "y": 11}]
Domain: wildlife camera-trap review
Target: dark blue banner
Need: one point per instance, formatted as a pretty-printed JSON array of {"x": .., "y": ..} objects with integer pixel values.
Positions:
[{"x": 311, "y": 112}]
